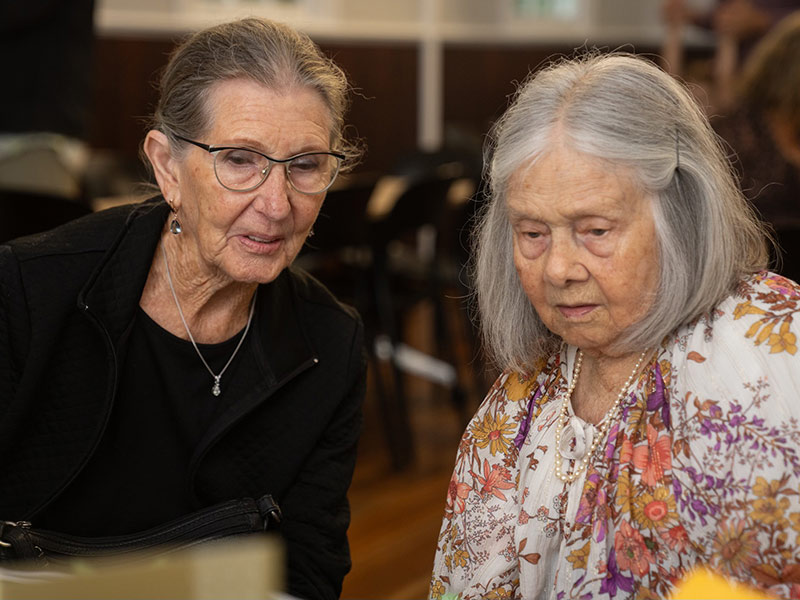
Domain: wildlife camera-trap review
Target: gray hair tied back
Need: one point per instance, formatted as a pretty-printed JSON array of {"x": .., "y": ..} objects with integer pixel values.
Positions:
[{"x": 266, "y": 52}]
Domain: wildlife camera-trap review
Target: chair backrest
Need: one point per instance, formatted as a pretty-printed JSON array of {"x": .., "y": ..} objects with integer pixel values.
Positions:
[
  {"x": 422, "y": 203},
  {"x": 342, "y": 220},
  {"x": 425, "y": 201}
]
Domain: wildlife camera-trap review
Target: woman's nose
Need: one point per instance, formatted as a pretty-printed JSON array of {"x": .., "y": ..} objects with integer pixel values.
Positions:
[
  {"x": 562, "y": 261},
  {"x": 272, "y": 196}
]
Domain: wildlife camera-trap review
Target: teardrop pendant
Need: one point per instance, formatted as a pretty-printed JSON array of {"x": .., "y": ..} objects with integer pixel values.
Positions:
[
  {"x": 216, "y": 389},
  {"x": 175, "y": 226}
]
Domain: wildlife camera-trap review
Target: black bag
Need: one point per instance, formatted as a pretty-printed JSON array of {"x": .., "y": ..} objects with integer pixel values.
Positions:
[{"x": 21, "y": 543}]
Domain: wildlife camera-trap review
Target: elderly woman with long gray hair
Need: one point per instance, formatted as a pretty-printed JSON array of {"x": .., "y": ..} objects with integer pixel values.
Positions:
[
  {"x": 162, "y": 359},
  {"x": 646, "y": 418}
]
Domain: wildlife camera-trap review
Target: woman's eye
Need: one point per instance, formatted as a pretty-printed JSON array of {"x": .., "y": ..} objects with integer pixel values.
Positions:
[
  {"x": 309, "y": 162},
  {"x": 239, "y": 158},
  {"x": 532, "y": 235},
  {"x": 598, "y": 232}
]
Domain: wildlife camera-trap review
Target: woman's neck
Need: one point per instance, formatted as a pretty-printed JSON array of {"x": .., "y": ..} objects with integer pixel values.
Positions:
[
  {"x": 600, "y": 383},
  {"x": 215, "y": 307}
]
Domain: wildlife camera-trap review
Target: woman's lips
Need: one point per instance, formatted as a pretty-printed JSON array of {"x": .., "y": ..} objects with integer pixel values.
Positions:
[
  {"x": 261, "y": 244},
  {"x": 580, "y": 310}
]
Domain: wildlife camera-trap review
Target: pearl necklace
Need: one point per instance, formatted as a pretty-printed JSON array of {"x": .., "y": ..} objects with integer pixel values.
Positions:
[{"x": 609, "y": 418}]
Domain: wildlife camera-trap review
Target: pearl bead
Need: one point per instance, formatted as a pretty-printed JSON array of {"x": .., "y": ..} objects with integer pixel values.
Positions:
[{"x": 605, "y": 424}]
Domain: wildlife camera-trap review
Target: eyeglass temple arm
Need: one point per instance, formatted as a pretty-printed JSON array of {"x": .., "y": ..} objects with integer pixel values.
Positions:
[{"x": 205, "y": 147}]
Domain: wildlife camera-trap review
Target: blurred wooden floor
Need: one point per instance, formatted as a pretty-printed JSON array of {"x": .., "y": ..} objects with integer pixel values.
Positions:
[{"x": 396, "y": 516}]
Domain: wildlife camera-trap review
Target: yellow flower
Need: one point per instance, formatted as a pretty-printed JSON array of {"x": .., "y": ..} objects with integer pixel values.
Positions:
[
  {"x": 770, "y": 510},
  {"x": 637, "y": 414},
  {"x": 497, "y": 594},
  {"x": 735, "y": 546},
  {"x": 783, "y": 341},
  {"x": 795, "y": 517},
  {"x": 437, "y": 589},
  {"x": 624, "y": 489},
  {"x": 655, "y": 510},
  {"x": 578, "y": 557},
  {"x": 781, "y": 540},
  {"x": 493, "y": 433},
  {"x": 666, "y": 371},
  {"x": 764, "y": 488},
  {"x": 518, "y": 386},
  {"x": 460, "y": 558},
  {"x": 745, "y": 308},
  {"x": 766, "y": 329}
]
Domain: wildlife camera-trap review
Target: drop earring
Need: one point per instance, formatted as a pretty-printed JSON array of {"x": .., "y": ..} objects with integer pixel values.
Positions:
[{"x": 174, "y": 225}]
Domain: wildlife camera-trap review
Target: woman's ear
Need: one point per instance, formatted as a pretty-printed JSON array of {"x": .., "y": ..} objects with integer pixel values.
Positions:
[{"x": 165, "y": 166}]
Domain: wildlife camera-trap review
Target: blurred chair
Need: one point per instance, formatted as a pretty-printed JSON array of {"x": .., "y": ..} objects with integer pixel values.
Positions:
[
  {"x": 413, "y": 264},
  {"x": 339, "y": 250},
  {"x": 340, "y": 254},
  {"x": 377, "y": 245},
  {"x": 41, "y": 183}
]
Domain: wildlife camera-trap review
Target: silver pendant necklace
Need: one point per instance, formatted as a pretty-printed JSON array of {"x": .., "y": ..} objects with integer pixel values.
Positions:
[{"x": 215, "y": 389}]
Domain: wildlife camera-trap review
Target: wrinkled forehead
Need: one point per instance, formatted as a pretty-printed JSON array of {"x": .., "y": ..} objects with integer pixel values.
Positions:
[
  {"x": 565, "y": 186},
  {"x": 235, "y": 98}
]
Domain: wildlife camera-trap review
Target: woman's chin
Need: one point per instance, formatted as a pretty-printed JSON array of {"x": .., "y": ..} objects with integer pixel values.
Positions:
[
  {"x": 262, "y": 270},
  {"x": 590, "y": 344}
]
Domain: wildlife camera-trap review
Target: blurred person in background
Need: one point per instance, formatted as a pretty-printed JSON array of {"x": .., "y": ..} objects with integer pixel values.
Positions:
[
  {"x": 744, "y": 20},
  {"x": 646, "y": 421},
  {"x": 764, "y": 132},
  {"x": 164, "y": 357},
  {"x": 737, "y": 26}
]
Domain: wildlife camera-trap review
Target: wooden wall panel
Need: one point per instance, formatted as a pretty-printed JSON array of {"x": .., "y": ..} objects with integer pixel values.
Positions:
[
  {"x": 124, "y": 91},
  {"x": 383, "y": 112},
  {"x": 478, "y": 81}
]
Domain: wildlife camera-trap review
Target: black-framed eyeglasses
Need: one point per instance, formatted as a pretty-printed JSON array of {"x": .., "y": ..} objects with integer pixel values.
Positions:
[{"x": 241, "y": 169}]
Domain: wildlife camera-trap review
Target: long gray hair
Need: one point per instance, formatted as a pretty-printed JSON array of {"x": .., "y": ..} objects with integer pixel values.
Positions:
[
  {"x": 625, "y": 110},
  {"x": 264, "y": 51}
]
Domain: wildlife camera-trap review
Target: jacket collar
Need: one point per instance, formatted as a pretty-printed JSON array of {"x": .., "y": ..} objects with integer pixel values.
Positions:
[{"x": 112, "y": 293}]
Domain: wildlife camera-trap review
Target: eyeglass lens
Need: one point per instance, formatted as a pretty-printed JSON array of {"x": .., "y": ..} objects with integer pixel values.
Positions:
[{"x": 239, "y": 169}]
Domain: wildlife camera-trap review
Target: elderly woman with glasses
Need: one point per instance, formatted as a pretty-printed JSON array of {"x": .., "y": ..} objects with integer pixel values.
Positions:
[
  {"x": 647, "y": 419},
  {"x": 161, "y": 358}
]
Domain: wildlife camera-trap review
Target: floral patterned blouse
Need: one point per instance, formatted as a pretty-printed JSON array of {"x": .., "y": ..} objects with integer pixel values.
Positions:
[{"x": 702, "y": 467}]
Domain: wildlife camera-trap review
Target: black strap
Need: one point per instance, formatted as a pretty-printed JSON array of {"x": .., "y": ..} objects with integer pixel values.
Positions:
[{"x": 22, "y": 542}]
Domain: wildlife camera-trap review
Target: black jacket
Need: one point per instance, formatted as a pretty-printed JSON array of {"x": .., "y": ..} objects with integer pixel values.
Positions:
[{"x": 66, "y": 299}]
